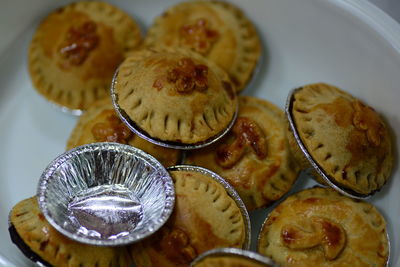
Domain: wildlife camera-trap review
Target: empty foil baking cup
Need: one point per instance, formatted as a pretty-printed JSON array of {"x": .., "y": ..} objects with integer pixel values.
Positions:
[
  {"x": 314, "y": 166},
  {"x": 106, "y": 194},
  {"x": 143, "y": 134},
  {"x": 230, "y": 191},
  {"x": 250, "y": 256}
]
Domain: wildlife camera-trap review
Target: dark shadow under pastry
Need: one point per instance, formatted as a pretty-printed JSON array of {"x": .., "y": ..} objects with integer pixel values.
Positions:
[
  {"x": 218, "y": 30},
  {"x": 174, "y": 95},
  {"x": 228, "y": 261},
  {"x": 254, "y": 157},
  {"x": 40, "y": 241},
  {"x": 320, "y": 227},
  {"x": 100, "y": 123},
  {"x": 204, "y": 217},
  {"x": 345, "y": 137},
  {"x": 76, "y": 50}
]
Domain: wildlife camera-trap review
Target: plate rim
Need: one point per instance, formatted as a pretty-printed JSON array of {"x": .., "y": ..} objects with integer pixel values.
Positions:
[{"x": 374, "y": 17}]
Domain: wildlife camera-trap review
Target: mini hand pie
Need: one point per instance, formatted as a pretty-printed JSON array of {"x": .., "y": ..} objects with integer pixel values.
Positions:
[
  {"x": 345, "y": 137},
  {"x": 254, "y": 157},
  {"x": 205, "y": 217},
  {"x": 76, "y": 50},
  {"x": 175, "y": 95},
  {"x": 215, "y": 29},
  {"x": 39, "y": 241},
  {"x": 320, "y": 227},
  {"x": 100, "y": 123}
]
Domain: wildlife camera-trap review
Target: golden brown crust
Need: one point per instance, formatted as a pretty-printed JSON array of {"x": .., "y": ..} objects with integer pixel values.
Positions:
[
  {"x": 204, "y": 218},
  {"x": 175, "y": 95},
  {"x": 57, "y": 249},
  {"x": 76, "y": 49},
  {"x": 254, "y": 157},
  {"x": 100, "y": 123},
  {"x": 345, "y": 137},
  {"x": 320, "y": 227},
  {"x": 228, "y": 261},
  {"x": 216, "y": 29}
]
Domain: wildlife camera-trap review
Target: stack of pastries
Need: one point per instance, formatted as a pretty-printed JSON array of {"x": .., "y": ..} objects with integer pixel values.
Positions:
[{"x": 180, "y": 84}]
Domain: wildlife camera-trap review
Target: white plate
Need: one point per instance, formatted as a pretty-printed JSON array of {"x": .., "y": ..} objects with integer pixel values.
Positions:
[{"x": 348, "y": 43}]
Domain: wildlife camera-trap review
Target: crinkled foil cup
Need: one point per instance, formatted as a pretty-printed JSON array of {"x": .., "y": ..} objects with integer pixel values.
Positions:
[
  {"x": 305, "y": 159},
  {"x": 229, "y": 189},
  {"x": 106, "y": 194},
  {"x": 169, "y": 144},
  {"x": 250, "y": 256}
]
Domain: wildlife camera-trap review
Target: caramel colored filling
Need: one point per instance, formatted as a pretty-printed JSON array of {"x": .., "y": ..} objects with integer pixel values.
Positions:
[
  {"x": 247, "y": 136},
  {"x": 319, "y": 232},
  {"x": 366, "y": 119},
  {"x": 175, "y": 244},
  {"x": 187, "y": 77},
  {"x": 111, "y": 130},
  {"x": 198, "y": 36},
  {"x": 79, "y": 42}
]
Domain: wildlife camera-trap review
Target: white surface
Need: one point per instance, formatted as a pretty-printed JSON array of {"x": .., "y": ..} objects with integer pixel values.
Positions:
[
  {"x": 391, "y": 7},
  {"x": 348, "y": 43}
]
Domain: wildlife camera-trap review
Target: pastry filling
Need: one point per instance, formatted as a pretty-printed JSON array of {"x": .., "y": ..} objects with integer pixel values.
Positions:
[
  {"x": 198, "y": 36},
  {"x": 175, "y": 243},
  {"x": 315, "y": 232},
  {"x": 187, "y": 77},
  {"x": 79, "y": 42},
  {"x": 111, "y": 130},
  {"x": 366, "y": 119},
  {"x": 247, "y": 136}
]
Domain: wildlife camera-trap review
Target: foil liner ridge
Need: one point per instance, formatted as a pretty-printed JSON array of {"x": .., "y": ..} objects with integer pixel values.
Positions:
[{"x": 100, "y": 169}]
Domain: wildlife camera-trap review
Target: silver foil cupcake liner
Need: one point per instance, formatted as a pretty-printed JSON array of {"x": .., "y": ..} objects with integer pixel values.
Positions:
[
  {"x": 267, "y": 217},
  {"x": 169, "y": 144},
  {"x": 314, "y": 167},
  {"x": 245, "y": 254},
  {"x": 106, "y": 194},
  {"x": 229, "y": 189}
]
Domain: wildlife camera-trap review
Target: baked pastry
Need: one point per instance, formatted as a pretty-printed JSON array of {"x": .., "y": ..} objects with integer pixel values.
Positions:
[
  {"x": 218, "y": 30},
  {"x": 320, "y": 227},
  {"x": 100, "y": 123},
  {"x": 204, "y": 217},
  {"x": 254, "y": 157},
  {"x": 76, "y": 49},
  {"x": 39, "y": 241},
  {"x": 345, "y": 137},
  {"x": 175, "y": 95}
]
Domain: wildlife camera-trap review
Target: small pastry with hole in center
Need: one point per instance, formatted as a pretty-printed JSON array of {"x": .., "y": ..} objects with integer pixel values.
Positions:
[
  {"x": 217, "y": 30},
  {"x": 204, "y": 217},
  {"x": 174, "y": 95},
  {"x": 346, "y": 138},
  {"x": 76, "y": 49},
  {"x": 254, "y": 157},
  {"x": 320, "y": 227},
  {"x": 100, "y": 123},
  {"x": 40, "y": 242}
]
